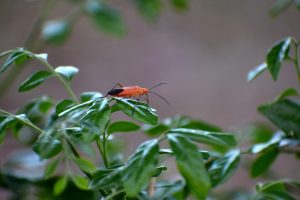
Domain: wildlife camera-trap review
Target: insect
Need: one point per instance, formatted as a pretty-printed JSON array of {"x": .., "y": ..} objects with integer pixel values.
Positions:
[{"x": 133, "y": 92}]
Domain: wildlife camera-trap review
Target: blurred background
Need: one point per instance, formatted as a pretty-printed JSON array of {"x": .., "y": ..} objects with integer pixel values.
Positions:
[{"x": 204, "y": 54}]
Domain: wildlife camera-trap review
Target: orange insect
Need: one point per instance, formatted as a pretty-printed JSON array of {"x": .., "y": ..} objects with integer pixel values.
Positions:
[{"x": 133, "y": 92}]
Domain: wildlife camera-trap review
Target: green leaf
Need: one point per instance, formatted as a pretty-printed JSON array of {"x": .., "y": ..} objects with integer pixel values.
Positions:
[
  {"x": 77, "y": 107},
  {"x": 98, "y": 115},
  {"x": 165, "y": 190},
  {"x": 56, "y": 31},
  {"x": 106, "y": 18},
  {"x": 81, "y": 182},
  {"x": 155, "y": 130},
  {"x": 263, "y": 162},
  {"x": 257, "y": 71},
  {"x": 267, "y": 146},
  {"x": 279, "y": 7},
  {"x": 68, "y": 72},
  {"x": 138, "y": 110},
  {"x": 60, "y": 185},
  {"x": 276, "y": 55},
  {"x": 34, "y": 80},
  {"x": 63, "y": 105},
  {"x": 141, "y": 167},
  {"x": 149, "y": 8},
  {"x": 106, "y": 179},
  {"x": 47, "y": 146},
  {"x": 285, "y": 114},
  {"x": 18, "y": 56},
  {"x": 87, "y": 96},
  {"x": 180, "y": 4},
  {"x": 122, "y": 126},
  {"x": 85, "y": 165},
  {"x": 287, "y": 93},
  {"x": 211, "y": 138},
  {"x": 50, "y": 168},
  {"x": 222, "y": 168},
  {"x": 190, "y": 165}
]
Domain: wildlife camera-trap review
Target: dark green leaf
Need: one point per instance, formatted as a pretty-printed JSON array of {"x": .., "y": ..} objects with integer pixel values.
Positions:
[
  {"x": 190, "y": 165},
  {"x": 279, "y": 7},
  {"x": 63, "y": 105},
  {"x": 287, "y": 93},
  {"x": 285, "y": 114},
  {"x": 263, "y": 162},
  {"x": 222, "y": 168},
  {"x": 180, "y": 4},
  {"x": 212, "y": 138},
  {"x": 122, "y": 126},
  {"x": 60, "y": 185},
  {"x": 34, "y": 80},
  {"x": 149, "y": 8},
  {"x": 106, "y": 179},
  {"x": 276, "y": 55},
  {"x": 106, "y": 18},
  {"x": 155, "y": 130},
  {"x": 138, "y": 110},
  {"x": 141, "y": 167},
  {"x": 77, "y": 107},
  {"x": 205, "y": 154},
  {"x": 68, "y": 72},
  {"x": 80, "y": 182},
  {"x": 257, "y": 71},
  {"x": 56, "y": 31},
  {"x": 164, "y": 190},
  {"x": 51, "y": 167},
  {"x": 18, "y": 56},
  {"x": 87, "y": 96},
  {"x": 85, "y": 165},
  {"x": 98, "y": 115},
  {"x": 47, "y": 146}
]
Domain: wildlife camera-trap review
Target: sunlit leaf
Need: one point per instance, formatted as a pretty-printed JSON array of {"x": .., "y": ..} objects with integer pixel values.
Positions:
[
  {"x": 60, "y": 185},
  {"x": 257, "y": 71},
  {"x": 56, "y": 31},
  {"x": 67, "y": 72},
  {"x": 34, "y": 80},
  {"x": 47, "y": 146}
]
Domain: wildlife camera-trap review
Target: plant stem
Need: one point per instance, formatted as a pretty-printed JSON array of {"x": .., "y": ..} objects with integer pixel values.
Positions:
[
  {"x": 23, "y": 121},
  {"x": 61, "y": 79},
  {"x": 296, "y": 61},
  {"x": 151, "y": 187},
  {"x": 109, "y": 197},
  {"x": 101, "y": 150}
]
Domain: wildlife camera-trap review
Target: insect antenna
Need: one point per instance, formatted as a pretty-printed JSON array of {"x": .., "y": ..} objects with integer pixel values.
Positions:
[
  {"x": 159, "y": 97},
  {"x": 157, "y": 86}
]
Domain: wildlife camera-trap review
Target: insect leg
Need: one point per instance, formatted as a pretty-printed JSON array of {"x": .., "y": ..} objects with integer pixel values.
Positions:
[
  {"x": 147, "y": 100},
  {"x": 138, "y": 100}
]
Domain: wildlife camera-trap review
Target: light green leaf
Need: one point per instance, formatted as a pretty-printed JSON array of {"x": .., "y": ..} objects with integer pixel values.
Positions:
[
  {"x": 141, "y": 167},
  {"x": 138, "y": 110},
  {"x": 122, "y": 126},
  {"x": 206, "y": 137},
  {"x": 63, "y": 105},
  {"x": 67, "y": 72},
  {"x": 34, "y": 80},
  {"x": 50, "y": 168},
  {"x": 287, "y": 93},
  {"x": 257, "y": 71},
  {"x": 267, "y": 146},
  {"x": 60, "y": 185},
  {"x": 222, "y": 168},
  {"x": 190, "y": 165},
  {"x": 56, "y": 31},
  {"x": 106, "y": 18},
  {"x": 85, "y": 165},
  {"x": 263, "y": 162},
  {"x": 80, "y": 182},
  {"x": 276, "y": 56}
]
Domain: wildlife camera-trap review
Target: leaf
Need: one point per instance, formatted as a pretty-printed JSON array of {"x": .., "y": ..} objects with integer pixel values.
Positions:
[
  {"x": 34, "y": 80},
  {"x": 98, "y": 115},
  {"x": 279, "y": 7},
  {"x": 60, "y": 185},
  {"x": 141, "y": 167},
  {"x": 138, "y": 110},
  {"x": 77, "y": 107},
  {"x": 180, "y": 4},
  {"x": 155, "y": 130},
  {"x": 80, "y": 182},
  {"x": 285, "y": 114},
  {"x": 263, "y": 162},
  {"x": 276, "y": 55},
  {"x": 68, "y": 72},
  {"x": 222, "y": 168},
  {"x": 257, "y": 71},
  {"x": 122, "y": 126},
  {"x": 165, "y": 190},
  {"x": 63, "y": 105},
  {"x": 149, "y": 8},
  {"x": 190, "y": 165},
  {"x": 211, "y": 138},
  {"x": 87, "y": 96},
  {"x": 56, "y": 31},
  {"x": 18, "y": 57},
  {"x": 287, "y": 93},
  {"x": 267, "y": 146},
  {"x": 106, "y": 179},
  {"x": 85, "y": 165},
  {"x": 106, "y": 18},
  {"x": 50, "y": 168},
  {"x": 47, "y": 146}
]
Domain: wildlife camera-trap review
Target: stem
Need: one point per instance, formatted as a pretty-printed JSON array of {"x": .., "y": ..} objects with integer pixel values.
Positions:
[
  {"x": 109, "y": 197},
  {"x": 296, "y": 61},
  {"x": 61, "y": 79},
  {"x": 151, "y": 187},
  {"x": 23, "y": 121},
  {"x": 102, "y": 150}
]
